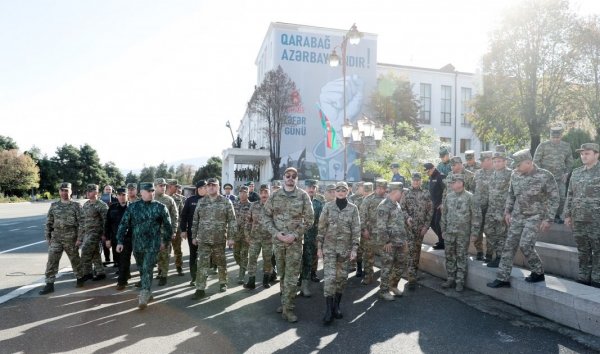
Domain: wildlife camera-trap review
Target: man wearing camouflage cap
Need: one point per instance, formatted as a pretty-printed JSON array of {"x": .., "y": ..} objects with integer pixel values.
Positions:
[
  {"x": 495, "y": 227},
  {"x": 368, "y": 218},
  {"x": 93, "y": 215},
  {"x": 132, "y": 192},
  {"x": 530, "y": 209},
  {"x": 160, "y": 185},
  {"x": 260, "y": 240},
  {"x": 240, "y": 241},
  {"x": 556, "y": 156},
  {"x": 457, "y": 167},
  {"x": 418, "y": 207},
  {"x": 62, "y": 224},
  {"x": 330, "y": 193},
  {"x": 179, "y": 199},
  {"x": 359, "y": 195},
  {"x": 483, "y": 177},
  {"x": 471, "y": 164},
  {"x": 309, "y": 246},
  {"x": 444, "y": 167},
  {"x": 581, "y": 213}
]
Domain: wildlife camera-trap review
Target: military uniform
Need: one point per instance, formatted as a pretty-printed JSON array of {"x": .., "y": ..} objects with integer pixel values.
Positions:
[
  {"x": 417, "y": 205},
  {"x": 471, "y": 164},
  {"x": 583, "y": 207},
  {"x": 241, "y": 244},
  {"x": 165, "y": 254},
  {"x": 437, "y": 188},
  {"x": 444, "y": 167},
  {"x": 468, "y": 176},
  {"x": 260, "y": 240},
  {"x": 368, "y": 188},
  {"x": 93, "y": 215},
  {"x": 368, "y": 220},
  {"x": 151, "y": 227},
  {"x": 291, "y": 213},
  {"x": 558, "y": 160},
  {"x": 113, "y": 219},
  {"x": 495, "y": 226},
  {"x": 309, "y": 246},
  {"x": 176, "y": 242},
  {"x": 482, "y": 182}
]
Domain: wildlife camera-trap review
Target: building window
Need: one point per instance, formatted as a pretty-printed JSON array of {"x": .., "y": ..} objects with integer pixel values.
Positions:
[
  {"x": 446, "y": 109},
  {"x": 465, "y": 106},
  {"x": 447, "y": 142},
  {"x": 465, "y": 144},
  {"x": 425, "y": 110},
  {"x": 486, "y": 146}
]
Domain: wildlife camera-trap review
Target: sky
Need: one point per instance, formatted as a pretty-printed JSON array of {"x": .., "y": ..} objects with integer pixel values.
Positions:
[{"x": 149, "y": 81}]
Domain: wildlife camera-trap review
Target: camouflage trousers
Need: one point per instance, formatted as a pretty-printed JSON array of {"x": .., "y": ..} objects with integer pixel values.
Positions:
[
  {"x": 58, "y": 244},
  {"x": 163, "y": 260},
  {"x": 478, "y": 243},
  {"x": 562, "y": 191},
  {"x": 415, "y": 241},
  {"x": 393, "y": 265},
  {"x": 495, "y": 236},
  {"x": 145, "y": 263},
  {"x": 176, "y": 244},
  {"x": 335, "y": 269},
  {"x": 289, "y": 262},
  {"x": 368, "y": 256},
  {"x": 587, "y": 237},
  {"x": 456, "y": 250},
  {"x": 522, "y": 233},
  {"x": 264, "y": 244},
  {"x": 240, "y": 252},
  {"x": 205, "y": 252},
  {"x": 90, "y": 254},
  {"x": 309, "y": 248}
]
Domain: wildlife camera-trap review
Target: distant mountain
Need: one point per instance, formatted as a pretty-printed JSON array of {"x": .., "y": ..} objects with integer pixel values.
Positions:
[{"x": 195, "y": 162}]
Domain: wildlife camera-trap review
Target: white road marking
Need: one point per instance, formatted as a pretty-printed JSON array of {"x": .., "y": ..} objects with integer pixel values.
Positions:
[
  {"x": 18, "y": 248},
  {"x": 24, "y": 289},
  {"x": 31, "y": 227},
  {"x": 14, "y": 230}
]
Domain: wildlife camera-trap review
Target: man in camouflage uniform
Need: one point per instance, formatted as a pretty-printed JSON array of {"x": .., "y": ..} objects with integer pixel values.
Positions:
[
  {"x": 495, "y": 226},
  {"x": 471, "y": 164},
  {"x": 241, "y": 245},
  {"x": 444, "y": 167},
  {"x": 483, "y": 178},
  {"x": 260, "y": 239},
  {"x": 330, "y": 193},
  {"x": 460, "y": 221},
  {"x": 368, "y": 219},
  {"x": 416, "y": 204},
  {"x": 132, "y": 192},
  {"x": 91, "y": 233},
  {"x": 160, "y": 185},
  {"x": 556, "y": 156},
  {"x": 339, "y": 234},
  {"x": 391, "y": 242},
  {"x": 358, "y": 195},
  {"x": 62, "y": 223},
  {"x": 368, "y": 187},
  {"x": 458, "y": 168},
  {"x": 151, "y": 229},
  {"x": 530, "y": 209},
  {"x": 214, "y": 224},
  {"x": 581, "y": 212},
  {"x": 275, "y": 186},
  {"x": 288, "y": 214},
  {"x": 176, "y": 243},
  {"x": 310, "y": 239}
]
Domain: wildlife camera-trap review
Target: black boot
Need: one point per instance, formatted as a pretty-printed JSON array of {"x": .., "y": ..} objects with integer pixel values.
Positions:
[
  {"x": 251, "y": 283},
  {"x": 266, "y": 278},
  {"x": 495, "y": 263},
  {"x": 359, "y": 269},
  {"x": 273, "y": 277},
  {"x": 337, "y": 311},
  {"x": 535, "y": 278},
  {"x": 328, "y": 318},
  {"x": 49, "y": 288}
]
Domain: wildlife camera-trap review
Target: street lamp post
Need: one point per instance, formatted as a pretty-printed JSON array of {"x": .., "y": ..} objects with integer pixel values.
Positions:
[
  {"x": 364, "y": 133},
  {"x": 352, "y": 36}
]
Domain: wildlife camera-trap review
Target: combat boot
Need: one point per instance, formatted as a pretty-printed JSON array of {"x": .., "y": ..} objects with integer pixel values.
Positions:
[
  {"x": 479, "y": 256},
  {"x": 241, "y": 275},
  {"x": 251, "y": 283},
  {"x": 49, "y": 288},
  {"x": 488, "y": 258},
  {"x": 305, "y": 291},
  {"x": 180, "y": 271},
  {"x": 359, "y": 269},
  {"x": 289, "y": 315},
  {"x": 460, "y": 287},
  {"x": 223, "y": 288},
  {"x": 535, "y": 277},
  {"x": 99, "y": 277},
  {"x": 266, "y": 278},
  {"x": 385, "y": 295},
  {"x": 162, "y": 281},
  {"x": 273, "y": 277},
  {"x": 448, "y": 283},
  {"x": 88, "y": 277},
  {"x": 328, "y": 318},
  {"x": 495, "y": 263},
  {"x": 199, "y": 294},
  {"x": 337, "y": 311}
]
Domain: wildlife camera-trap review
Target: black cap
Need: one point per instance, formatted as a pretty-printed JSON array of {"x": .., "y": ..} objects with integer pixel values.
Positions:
[
  {"x": 200, "y": 183},
  {"x": 227, "y": 185},
  {"x": 428, "y": 166},
  {"x": 121, "y": 190}
]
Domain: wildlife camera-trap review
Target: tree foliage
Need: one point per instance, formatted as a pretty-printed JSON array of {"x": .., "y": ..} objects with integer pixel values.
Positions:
[
  {"x": 18, "y": 172},
  {"x": 212, "y": 169},
  {"x": 132, "y": 178},
  {"x": 148, "y": 174},
  {"x": 394, "y": 102},
  {"x": 7, "y": 143},
  {"x": 184, "y": 173}
]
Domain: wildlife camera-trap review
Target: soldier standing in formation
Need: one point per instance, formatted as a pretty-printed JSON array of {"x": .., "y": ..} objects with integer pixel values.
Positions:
[
  {"x": 241, "y": 245},
  {"x": 186, "y": 222},
  {"x": 176, "y": 243},
  {"x": 113, "y": 219},
  {"x": 160, "y": 185},
  {"x": 288, "y": 214},
  {"x": 436, "y": 191},
  {"x": 581, "y": 213},
  {"x": 62, "y": 226},
  {"x": 460, "y": 222},
  {"x": 396, "y": 176},
  {"x": 309, "y": 246},
  {"x": 260, "y": 240},
  {"x": 368, "y": 218},
  {"x": 495, "y": 227},
  {"x": 530, "y": 209},
  {"x": 93, "y": 215},
  {"x": 457, "y": 167},
  {"x": 444, "y": 166},
  {"x": 132, "y": 192},
  {"x": 556, "y": 156},
  {"x": 339, "y": 234},
  {"x": 483, "y": 177},
  {"x": 391, "y": 242},
  {"x": 417, "y": 205},
  {"x": 214, "y": 224},
  {"x": 471, "y": 164},
  {"x": 330, "y": 193},
  {"x": 368, "y": 187},
  {"x": 150, "y": 225}
]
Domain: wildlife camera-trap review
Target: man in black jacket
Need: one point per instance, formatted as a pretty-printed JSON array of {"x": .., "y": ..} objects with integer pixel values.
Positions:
[
  {"x": 436, "y": 189},
  {"x": 113, "y": 219},
  {"x": 185, "y": 225}
]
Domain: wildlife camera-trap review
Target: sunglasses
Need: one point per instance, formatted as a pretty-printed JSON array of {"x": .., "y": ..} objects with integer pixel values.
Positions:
[
  {"x": 292, "y": 176},
  {"x": 341, "y": 189}
]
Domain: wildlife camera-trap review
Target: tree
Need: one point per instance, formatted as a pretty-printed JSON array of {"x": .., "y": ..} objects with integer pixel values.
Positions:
[
  {"x": 49, "y": 175},
  {"x": 90, "y": 166},
  {"x": 148, "y": 174},
  {"x": 7, "y": 143},
  {"x": 161, "y": 171},
  {"x": 68, "y": 166},
  {"x": 18, "y": 172},
  {"x": 271, "y": 101},
  {"x": 530, "y": 59},
  {"x": 35, "y": 153},
  {"x": 394, "y": 102},
  {"x": 114, "y": 177},
  {"x": 184, "y": 173},
  {"x": 132, "y": 178},
  {"x": 212, "y": 169}
]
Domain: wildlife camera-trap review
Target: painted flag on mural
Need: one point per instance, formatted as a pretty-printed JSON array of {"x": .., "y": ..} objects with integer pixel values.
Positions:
[{"x": 330, "y": 132}]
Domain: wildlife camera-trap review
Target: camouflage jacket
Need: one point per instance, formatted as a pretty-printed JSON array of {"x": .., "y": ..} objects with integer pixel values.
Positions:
[
  {"x": 149, "y": 223},
  {"x": 254, "y": 220},
  {"x": 556, "y": 158},
  {"x": 241, "y": 216},
  {"x": 460, "y": 215},
  {"x": 63, "y": 218},
  {"x": 93, "y": 218},
  {"x": 483, "y": 179},
  {"x": 469, "y": 181},
  {"x": 321, "y": 198},
  {"x": 444, "y": 167},
  {"x": 583, "y": 196},
  {"x": 172, "y": 207},
  {"x": 339, "y": 230},
  {"x": 214, "y": 220},
  {"x": 533, "y": 194},
  {"x": 356, "y": 200},
  {"x": 290, "y": 213},
  {"x": 368, "y": 213},
  {"x": 472, "y": 168},
  {"x": 417, "y": 205},
  {"x": 390, "y": 223},
  {"x": 497, "y": 193},
  {"x": 313, "y": 230}
]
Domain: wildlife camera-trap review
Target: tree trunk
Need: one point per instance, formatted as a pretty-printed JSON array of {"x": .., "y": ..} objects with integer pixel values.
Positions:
[
  {"x": 535, "y": 141},
  {"x": 275, "y": 161}
]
